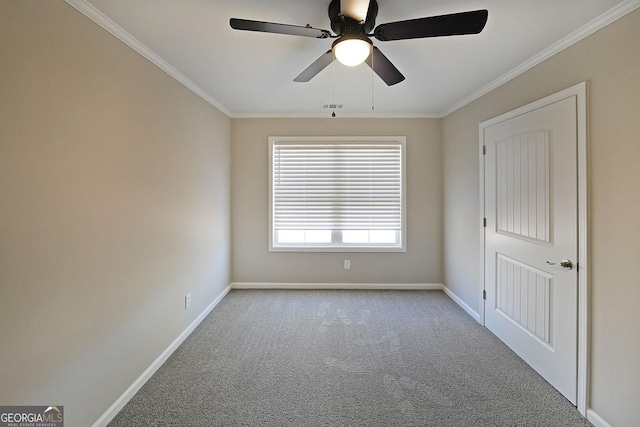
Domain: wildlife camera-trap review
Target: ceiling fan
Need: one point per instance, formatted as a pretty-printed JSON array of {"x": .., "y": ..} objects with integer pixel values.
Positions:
[{"x": 353, "y": 20}]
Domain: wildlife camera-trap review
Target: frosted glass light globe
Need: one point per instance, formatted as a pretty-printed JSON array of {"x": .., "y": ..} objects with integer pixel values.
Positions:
[{"x": 352, "y": 52}]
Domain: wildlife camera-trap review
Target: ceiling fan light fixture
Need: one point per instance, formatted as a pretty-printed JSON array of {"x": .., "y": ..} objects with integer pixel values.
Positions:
[
  {"x": 352, "y": 51},
  {"x": 353, "y": 29}
]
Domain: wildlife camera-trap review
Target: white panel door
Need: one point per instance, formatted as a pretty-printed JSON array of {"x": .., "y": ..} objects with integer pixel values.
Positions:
[{"x": 531, "y": 236}]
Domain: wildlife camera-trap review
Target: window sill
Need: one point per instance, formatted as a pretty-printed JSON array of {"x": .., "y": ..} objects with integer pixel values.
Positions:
[{"x": 337, "y": 249}]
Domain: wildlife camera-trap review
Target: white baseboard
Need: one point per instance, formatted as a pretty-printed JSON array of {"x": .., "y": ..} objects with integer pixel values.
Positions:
[
  {"x": 113, "y": 410},
  {"x": 377, "y": 286},
  {"x": 596, "y": 420},
  {"x": 462, "y": 304}
]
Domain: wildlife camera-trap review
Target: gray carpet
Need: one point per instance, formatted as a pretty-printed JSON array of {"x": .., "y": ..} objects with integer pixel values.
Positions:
[{"x": 344, "y": 358}]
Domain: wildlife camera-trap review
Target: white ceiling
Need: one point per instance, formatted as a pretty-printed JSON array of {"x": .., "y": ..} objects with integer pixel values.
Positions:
[{"x": 250, "y": 74}]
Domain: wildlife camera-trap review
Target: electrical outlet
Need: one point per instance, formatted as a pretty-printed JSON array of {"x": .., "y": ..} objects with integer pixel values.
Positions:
[
  {"x": 347, "y": 264},
  {"x": 187, "y": 301}
]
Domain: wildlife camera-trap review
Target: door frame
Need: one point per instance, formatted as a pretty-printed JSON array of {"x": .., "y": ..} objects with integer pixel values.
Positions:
[{"x": 580, "y": 92}]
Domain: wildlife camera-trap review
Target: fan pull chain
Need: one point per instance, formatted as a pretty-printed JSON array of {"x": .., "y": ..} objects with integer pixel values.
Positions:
[
  {"x": 333, "y": 84},
  {"x": 373, "y": 106}
]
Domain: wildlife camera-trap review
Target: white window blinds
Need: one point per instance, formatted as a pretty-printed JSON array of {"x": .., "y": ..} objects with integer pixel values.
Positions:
[{"x": 337, "y": 185}]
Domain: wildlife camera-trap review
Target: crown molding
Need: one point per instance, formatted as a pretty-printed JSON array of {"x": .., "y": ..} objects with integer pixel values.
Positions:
[
  {"x": 105, "y": 22},
  {"x": 600, "y": 22}
]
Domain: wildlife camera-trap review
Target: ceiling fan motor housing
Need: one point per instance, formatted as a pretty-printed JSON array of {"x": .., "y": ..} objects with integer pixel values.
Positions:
[{"x": 344, "y": 25}]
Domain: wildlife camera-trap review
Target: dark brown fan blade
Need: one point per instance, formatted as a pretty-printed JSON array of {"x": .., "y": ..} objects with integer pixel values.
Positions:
[
  {"x": 434, "y": 26},
  {"x": 271, "y": 27},
  {"x": 313, "y": 69},
  {"x": 384, "y": 68}
]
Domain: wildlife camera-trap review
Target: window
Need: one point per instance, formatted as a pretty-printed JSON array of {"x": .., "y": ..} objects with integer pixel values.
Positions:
[{"x": 337, "y": 194}]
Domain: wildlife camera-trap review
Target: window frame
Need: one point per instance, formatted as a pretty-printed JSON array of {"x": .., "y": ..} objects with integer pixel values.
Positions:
[{"x": 333, "y": 246}]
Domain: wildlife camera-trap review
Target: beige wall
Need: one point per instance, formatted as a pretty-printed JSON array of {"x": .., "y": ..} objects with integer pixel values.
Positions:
[
  {"x": 609, "y": 61},
  {"x": 114, "y": 203},
  {"x": 252, "y": 261}
]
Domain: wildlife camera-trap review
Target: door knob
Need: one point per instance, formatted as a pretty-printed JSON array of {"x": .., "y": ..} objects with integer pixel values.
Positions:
[{"x": 565, "y": 263}]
